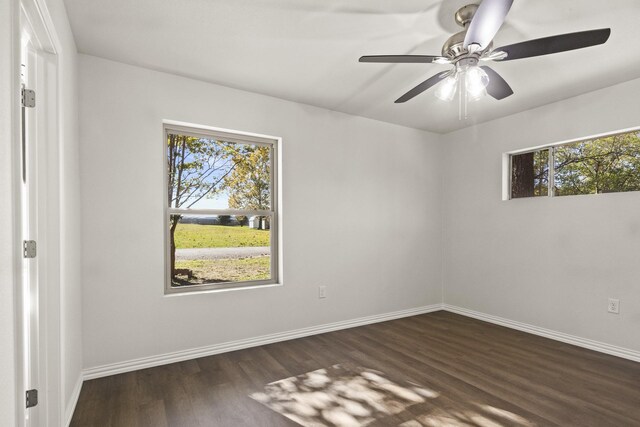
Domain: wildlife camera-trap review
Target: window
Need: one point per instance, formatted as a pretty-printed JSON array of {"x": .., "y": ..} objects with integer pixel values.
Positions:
[
  {"x": 607, "y": 164},
  {"x": 221, "y": 216},
  {"x": 530, "y": 174}
]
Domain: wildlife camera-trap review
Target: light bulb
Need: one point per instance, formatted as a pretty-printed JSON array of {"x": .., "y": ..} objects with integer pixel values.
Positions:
[
  {"x": 476, "y": 81},
  {"x": 447, "y": 89}
]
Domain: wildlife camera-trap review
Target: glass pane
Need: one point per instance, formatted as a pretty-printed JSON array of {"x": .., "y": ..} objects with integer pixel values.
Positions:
[
  {"x": 206, "y": 249},
  {"x": 603, "y": 165},
  {"x": 208, "y": 173},
  {"x": 530, "y": 174}
]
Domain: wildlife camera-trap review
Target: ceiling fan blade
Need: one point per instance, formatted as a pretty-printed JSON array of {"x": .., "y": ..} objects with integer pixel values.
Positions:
[
  {"x": 404, "y": 59},
  {"x": 431, "y": 81},
  {"x": 497, "y": 87},
  {"x": 486, "y": 22},
  {"x": 554, "y": 44}
]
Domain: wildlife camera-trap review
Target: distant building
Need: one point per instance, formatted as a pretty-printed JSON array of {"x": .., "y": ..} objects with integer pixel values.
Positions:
[{"x": 259, "y": 222}]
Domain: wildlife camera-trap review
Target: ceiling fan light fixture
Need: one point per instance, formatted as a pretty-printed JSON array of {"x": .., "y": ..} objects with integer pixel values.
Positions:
[
  {"x": 476, "y": 82},
  {"x": 446, "y": 90},
  {"x": 473, "y": 80}
]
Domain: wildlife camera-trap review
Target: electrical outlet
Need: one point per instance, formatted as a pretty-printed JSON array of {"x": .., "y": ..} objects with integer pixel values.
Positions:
[
  {"x": 322, "y": 291},
  {"x": 614, "y": 306}
]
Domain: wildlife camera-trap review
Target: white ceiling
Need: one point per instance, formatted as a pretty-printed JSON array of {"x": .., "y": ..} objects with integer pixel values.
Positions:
[{"x": 307, "y": 50}]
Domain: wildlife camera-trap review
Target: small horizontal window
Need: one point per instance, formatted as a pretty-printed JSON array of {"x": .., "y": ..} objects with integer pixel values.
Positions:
[{"x": 607, "y": 164}]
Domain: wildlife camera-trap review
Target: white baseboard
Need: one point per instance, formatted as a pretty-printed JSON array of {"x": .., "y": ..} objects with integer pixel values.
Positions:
[
  {"x": 178, "y": 356},
  {"x": 73, "y": 401},
  {"x": 625, "y": 353}
]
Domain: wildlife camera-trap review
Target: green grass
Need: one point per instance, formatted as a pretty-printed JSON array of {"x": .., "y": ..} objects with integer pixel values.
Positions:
[
  {"x": 219, "y": 236},
  {"x": 226, "y": 270}
]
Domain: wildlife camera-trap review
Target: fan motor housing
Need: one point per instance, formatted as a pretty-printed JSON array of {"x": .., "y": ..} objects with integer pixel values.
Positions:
[{"x": 454, "y": 49}]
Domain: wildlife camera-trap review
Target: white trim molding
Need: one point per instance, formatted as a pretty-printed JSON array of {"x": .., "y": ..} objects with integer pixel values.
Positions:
[
  {"x": 73, "y": 400},
  {"x": 178, "y": 356},
  {"x": 601, "y": 347}
]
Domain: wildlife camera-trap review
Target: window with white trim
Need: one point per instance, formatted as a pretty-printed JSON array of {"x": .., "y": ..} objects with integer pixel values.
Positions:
[
  {"x": 220, "y": 210},
  {"x": 606, "y": 164}
]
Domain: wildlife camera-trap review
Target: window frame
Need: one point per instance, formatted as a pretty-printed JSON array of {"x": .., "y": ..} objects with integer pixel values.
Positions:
[
  {"x": 273, "y": 212},
  {"x": 552, "y": 161}
]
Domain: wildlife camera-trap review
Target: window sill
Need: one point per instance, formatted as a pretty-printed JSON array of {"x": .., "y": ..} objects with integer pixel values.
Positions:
[{"x": 197, "y": 291}]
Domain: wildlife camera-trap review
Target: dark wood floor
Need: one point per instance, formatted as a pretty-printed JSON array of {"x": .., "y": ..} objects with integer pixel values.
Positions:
[{"x": 485, "y": 375}]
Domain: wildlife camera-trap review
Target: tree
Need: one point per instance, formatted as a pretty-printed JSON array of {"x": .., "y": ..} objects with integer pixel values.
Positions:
[
  {"x": 530, "y": 174},
  {"x": 599, "y": 166},
  {"x": 197, "y": 168},
  {"x": 249, "y": 183},
  {"x": 242, "y": 220}
]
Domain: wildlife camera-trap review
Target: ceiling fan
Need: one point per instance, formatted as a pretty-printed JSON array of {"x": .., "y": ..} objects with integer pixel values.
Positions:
[{"x": 466, "y": 49}]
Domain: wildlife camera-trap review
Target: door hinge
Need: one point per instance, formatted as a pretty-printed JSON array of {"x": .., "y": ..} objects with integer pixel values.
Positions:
[
  {"x": 32, "y": 398},
  {"x": 28, "y": 98},
  {"x": 29, "y": 248}
]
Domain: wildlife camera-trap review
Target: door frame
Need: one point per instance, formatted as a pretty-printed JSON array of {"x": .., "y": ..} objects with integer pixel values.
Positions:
[{"x": 33, "y": 14}]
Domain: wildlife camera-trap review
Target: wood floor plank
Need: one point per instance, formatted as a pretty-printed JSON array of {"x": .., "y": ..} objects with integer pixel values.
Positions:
[{"x": 479, "y": 374}]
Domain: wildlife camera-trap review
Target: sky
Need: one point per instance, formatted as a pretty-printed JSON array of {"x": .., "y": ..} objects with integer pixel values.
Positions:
[{"x": 221, "y": 201}]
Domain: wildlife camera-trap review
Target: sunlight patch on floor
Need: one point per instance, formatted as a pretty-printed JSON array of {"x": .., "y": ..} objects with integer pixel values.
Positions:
[
  {"x": 339, "y": 396},
  {"x": 346, "y": 396}
]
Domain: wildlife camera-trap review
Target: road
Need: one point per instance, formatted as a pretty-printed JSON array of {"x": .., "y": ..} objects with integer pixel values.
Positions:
[{"x": 220, "y": 253}]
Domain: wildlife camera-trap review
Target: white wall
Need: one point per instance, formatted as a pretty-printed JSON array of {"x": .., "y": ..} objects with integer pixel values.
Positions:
[
  {"x": 361, "y": 215},
  {"x": 551, "y": 263}
]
